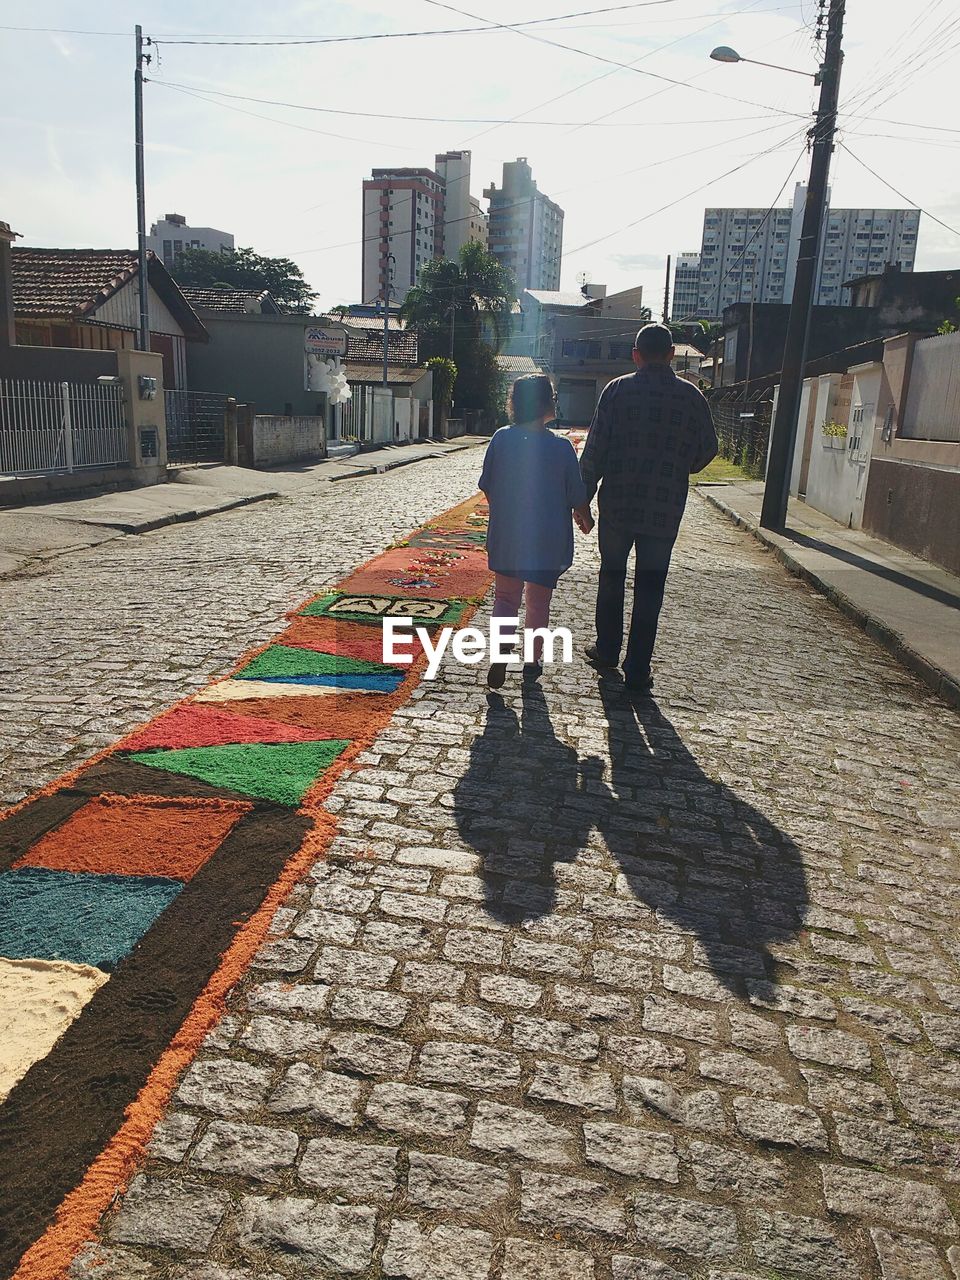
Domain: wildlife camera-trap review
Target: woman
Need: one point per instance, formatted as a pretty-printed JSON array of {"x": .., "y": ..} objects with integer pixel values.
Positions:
[{"x": 532, "y": 480}]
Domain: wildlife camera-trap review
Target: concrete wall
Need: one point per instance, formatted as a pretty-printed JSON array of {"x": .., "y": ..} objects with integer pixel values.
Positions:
[
  {"x": 278, "y": 440},
  {"x": 56, "y": 364},
  {"x": 915, "y": 507},
  {"x": 146, "y": 424},
  {"x": 258, "y": 360}
]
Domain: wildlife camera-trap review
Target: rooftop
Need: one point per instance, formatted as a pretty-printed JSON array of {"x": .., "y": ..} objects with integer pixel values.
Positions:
[
  {"x": 518, "y": 365},
  {"x": 361, "y": 371},
  {"x": 227, "y": 301},
  {"x": 558, "y": 297}
]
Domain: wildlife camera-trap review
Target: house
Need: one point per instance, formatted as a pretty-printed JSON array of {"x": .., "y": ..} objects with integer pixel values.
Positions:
[
  {"x": 908, "y": 300},
  {"x": 222, "y": 300},
  {"x": 89, "y": 299},
  {"x": 404, "y": 410}
]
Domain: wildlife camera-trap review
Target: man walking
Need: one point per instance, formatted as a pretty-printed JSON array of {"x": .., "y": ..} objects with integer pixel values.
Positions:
[{"x": 650, "y": 432}]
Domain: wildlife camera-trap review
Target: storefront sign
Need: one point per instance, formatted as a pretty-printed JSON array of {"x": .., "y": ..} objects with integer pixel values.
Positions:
[{"x": 325, "y": 342}]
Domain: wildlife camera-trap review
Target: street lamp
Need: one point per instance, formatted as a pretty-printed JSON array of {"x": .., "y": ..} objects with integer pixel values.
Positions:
[
  {"x": 723, "y": 53},
  {"x": 776, "y": 489}
]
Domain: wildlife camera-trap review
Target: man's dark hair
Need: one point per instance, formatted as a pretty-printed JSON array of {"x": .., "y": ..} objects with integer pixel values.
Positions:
[{"x": 653, "y": 342}]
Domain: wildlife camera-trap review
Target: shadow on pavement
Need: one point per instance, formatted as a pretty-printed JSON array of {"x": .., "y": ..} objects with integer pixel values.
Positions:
[{"x": 692, "y": 854}]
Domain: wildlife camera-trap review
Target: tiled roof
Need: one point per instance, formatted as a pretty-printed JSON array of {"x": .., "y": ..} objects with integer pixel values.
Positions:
[
  {"x": 366, "y": 322},
  {"x": 230, "y": 301},
  {"x": 358, "y": 371},
  {"x": 368, "y": 347},
  {"x": 518, "y": 364},
  {"x": 70, "y": 284},
  {"x": 559, "y": 298}
]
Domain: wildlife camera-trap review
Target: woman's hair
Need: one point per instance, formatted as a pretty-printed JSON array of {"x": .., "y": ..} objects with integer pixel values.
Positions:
[{"x": 531, "y": 397}]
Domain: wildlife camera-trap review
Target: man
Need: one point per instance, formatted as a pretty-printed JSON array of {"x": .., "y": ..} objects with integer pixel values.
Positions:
[{"x": 650, "y": 432}]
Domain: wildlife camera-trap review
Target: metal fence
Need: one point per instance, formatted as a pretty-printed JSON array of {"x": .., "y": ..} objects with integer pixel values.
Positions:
[
  {"x": 932, "y": 410},
  {"x": 51, "y": 427},
  {"x": 195, "y": 426},
  {"x": 743, "y": 427}
]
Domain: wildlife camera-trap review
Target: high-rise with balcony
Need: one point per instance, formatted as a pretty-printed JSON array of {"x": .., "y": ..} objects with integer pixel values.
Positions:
[
  {"x": 525, "y": 228},
  {"x": 750, "y": 255}
]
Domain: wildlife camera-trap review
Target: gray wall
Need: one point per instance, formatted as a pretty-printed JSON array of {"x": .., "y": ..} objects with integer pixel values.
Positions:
[
  {"x": 256, "y": 359},
  {"x": 917, "y": 508}
]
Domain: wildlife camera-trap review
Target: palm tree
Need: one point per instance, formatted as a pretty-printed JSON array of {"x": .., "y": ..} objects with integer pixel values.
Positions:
[{"x": 463, "y": 310}]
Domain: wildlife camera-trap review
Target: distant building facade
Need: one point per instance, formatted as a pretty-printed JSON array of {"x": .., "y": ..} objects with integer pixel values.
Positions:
[
  {"x": 526, "y": 228},
  {"x": 171, "y": 236},
  {"x": 686, "y": 287},
  {"x": 747, "y": 255}
]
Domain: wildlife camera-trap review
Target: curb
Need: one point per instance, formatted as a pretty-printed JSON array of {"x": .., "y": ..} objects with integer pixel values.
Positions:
[{"x": 934, "y": 677}]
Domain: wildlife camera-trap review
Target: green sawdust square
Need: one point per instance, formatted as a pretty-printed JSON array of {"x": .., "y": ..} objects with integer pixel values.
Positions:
[
  {"x": 281, "y": 772},
  {"x": 287, "y": 660}
]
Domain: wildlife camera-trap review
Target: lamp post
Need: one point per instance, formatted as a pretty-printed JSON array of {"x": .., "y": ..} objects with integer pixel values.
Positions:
[{"x": 773, "y": 513}]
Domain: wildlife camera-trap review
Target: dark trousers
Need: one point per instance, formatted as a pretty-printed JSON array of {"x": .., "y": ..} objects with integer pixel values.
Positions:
[{"x": 652, "y": 560}]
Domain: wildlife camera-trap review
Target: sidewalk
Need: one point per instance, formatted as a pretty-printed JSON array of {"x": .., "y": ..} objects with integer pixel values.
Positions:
[
  {"x": 908, "y": 605},
  {"x": 45, "y": 530}
]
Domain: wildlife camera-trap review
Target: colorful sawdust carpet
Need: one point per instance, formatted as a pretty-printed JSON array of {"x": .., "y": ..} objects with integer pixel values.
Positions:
[{"x": 135, "y": 891}]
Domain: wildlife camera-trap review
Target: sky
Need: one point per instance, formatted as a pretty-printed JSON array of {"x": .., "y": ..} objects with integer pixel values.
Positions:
[{"x": 632, "y": 158}]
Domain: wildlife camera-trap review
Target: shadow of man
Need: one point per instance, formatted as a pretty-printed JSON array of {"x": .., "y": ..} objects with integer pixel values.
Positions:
[{"x": 694, "y": 858}]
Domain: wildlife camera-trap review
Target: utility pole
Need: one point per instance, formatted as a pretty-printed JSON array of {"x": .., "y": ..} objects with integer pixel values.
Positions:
[
  {"x": 387, "y": 278},
  {"x": 144, "y": 336},
  {"x": 666, "y": 293},
  {"x": 773, "y": 514},
  {"x": 453, "y": 319}
]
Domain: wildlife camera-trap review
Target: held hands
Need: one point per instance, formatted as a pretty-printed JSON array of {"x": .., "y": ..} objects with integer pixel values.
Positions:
[{"x": 583, "y": 519}]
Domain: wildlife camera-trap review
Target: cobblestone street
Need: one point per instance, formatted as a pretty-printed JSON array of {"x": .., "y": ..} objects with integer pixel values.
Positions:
[{"x": 586, "y": 989}]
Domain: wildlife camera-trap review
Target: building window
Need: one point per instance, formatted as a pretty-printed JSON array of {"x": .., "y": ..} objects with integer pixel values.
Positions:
[{"x": 581, "y": 349}]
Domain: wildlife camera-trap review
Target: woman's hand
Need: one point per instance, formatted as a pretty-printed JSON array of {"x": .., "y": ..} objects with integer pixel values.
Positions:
[{"x": 583, "y": 519}]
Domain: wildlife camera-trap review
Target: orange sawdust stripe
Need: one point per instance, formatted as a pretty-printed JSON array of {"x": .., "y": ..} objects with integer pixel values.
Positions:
[{"x": 76, "y": 1219}]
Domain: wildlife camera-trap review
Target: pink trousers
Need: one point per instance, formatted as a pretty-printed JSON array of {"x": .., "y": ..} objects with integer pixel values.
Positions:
[{"x": 506, "y": 604}]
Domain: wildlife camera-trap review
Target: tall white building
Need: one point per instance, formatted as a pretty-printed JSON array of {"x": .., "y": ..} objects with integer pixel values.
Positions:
[
  {"x": 744, "y": 258},
  {"x": 413, "y": 215},
  {"x": 686, "y": 287},
  {"x": 171, "y": 236},
  {"x": 526, "y": 228}
]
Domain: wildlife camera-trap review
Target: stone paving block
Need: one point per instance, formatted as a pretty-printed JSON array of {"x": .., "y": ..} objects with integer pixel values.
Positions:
[
  {"x": 794, "y": 1000},
  {"x": 645, "y": 1053},
  {"x": 354, "y": 968},
  {"x": 361, "y": 1172},
  {"x": 248, "y": 1150},
  {"x": 173, "y": 1135},
  {"x": 224, "y": 1086},
  {"x": 327, "y": 926},
  {"x": 514, "y": 1131},
  {"x": 572, "y": 1086},
  {"x": 863, "y": 1193},
  {"x": 550, "y": 1201},
  {"x": 906, "y": 1257},
  {"x": 544, "y": 1035},
  {"x": 404, "y": 939},
  {"x": 307, "y": 998},
  {"x": 890, "y": 1022},
  {"x": 832, "y": 1091},
  {"x": 934, "y": 1110},
  {"x": 282, "y": 1037},
  {"x": 587, "y": 1004},
  {"x": 439, "y": 979},
  {"x": 442, "y": 1182},
  {"x": 699, "y": 1109},
  {"x": 466, "y": 1021},
  {"x": 615, "y": 970},
  {"x": 705, "y": 1231},
  {"x": 640, "y": 1153},
  {"x": 833, "y": 1048},
  {"x": 504, "y": 989},
  {"x": 285, "y": 955},
  {"x": 169, "y": 1214},
  {"x": 876, "y": 1143},
  {"x": 524, "y": 1260},
  {"x": 412, "y": 906},
  {"x": 317, "y": 1095},
  {"x": 446, "y": 1062},
  {"x": 413, "y": 879},
  {"x": 756, "y": 1035},
  {"x": 367, "y": 1054},
  {"x": 672, "y": 1017},
  {"x": 628, "y": 1268},
  {"x": 731, "y": 1171},
  {"x": 403, "y": 1108},
  {"x": 381, "y": 1008},
  {"x": 339, "y": 1237},
  {"x": 741, "y": 1071},
  {"x": 473, "y": 946},
  {"x": 802, "y": 1245},
  {"x": 552, "y": 958},
  {"x": 100, "y": 1262},
  {"x": 780, "y": 1123},
  {"x": 698, "y": 983},
  {"x": 414, "y": 1252}
]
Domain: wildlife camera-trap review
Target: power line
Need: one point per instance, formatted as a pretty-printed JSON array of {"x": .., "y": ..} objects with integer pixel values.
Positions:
[{"x": 896, "y": 192}]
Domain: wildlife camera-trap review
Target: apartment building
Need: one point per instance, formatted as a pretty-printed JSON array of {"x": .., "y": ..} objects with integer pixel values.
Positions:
[
  {"x": 171, "y": 235},
  {"x": 526, "y": 228}
]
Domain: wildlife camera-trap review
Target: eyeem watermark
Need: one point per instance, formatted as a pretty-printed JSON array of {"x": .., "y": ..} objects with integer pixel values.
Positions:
[{"x": 470, "y": 645}]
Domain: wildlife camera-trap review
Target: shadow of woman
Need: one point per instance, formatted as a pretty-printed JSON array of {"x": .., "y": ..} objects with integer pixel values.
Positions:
[{"x": 694, "y": 858}]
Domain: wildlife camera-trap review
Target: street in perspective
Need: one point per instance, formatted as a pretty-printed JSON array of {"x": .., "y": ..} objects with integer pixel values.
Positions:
[{"x": 480, "y": 661}]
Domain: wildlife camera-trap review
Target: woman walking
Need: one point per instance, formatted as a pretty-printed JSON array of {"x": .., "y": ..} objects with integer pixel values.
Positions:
[{"x": 532, "y": 481}]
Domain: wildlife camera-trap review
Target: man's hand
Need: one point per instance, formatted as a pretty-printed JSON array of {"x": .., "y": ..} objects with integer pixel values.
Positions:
[{"x": 583, "y": 519}]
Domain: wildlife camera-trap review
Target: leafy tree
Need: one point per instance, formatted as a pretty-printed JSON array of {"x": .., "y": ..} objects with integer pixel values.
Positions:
[
  {"x": 244, "y": 269},
  {"x": 444, "y": 376},
  {"x": 469, "y": 304},
  {"x": 950, "y": 326}
]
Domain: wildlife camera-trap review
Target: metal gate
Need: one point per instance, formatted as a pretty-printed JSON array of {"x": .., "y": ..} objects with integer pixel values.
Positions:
[
  {"x": 195, "y": 426},
  {"x": 50, "y": 427}
]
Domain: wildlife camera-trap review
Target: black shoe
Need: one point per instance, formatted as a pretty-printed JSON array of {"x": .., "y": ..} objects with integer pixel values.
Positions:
[
  {"x": 644, "y": 685},
  {"x": 592, "y": 654},
  {"x": 496, "y": 675},
  {"x": 532, "y": 671}
]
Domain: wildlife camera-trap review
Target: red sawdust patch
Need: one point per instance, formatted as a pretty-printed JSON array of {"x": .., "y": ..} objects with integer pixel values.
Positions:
[
  {"x": 471, "y": 515},
  {"x": 200, "y": 725},
  {"x": 137, "y": 836},
  {"x": 328, "y": 635},
  {"x": 427, "y": 573},
  {"x": 341, "y": 715}
]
